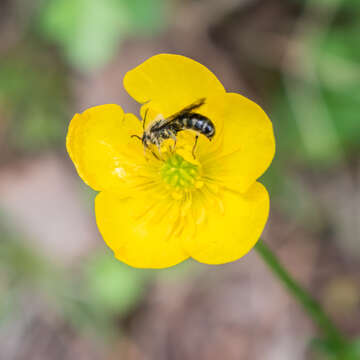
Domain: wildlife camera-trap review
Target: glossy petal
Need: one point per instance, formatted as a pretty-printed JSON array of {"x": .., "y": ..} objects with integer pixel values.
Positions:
[
  {"x": 243, "y": 149},
  {"x": 230, "y": 232},
  {"x": 100, "y": 145},
  {"x": 136, "y": 233},
  {"x": 168, "y": 83}
]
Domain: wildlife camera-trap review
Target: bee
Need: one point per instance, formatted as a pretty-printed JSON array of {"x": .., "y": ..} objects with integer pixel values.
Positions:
[{"x": 185, "y": 119}]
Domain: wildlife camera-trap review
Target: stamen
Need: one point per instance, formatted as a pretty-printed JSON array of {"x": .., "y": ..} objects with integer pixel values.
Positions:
[{"x": 179, "y": 173}]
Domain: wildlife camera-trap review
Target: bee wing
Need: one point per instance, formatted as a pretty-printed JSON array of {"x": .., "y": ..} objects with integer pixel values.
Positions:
[
  {"x": 190, "y": 108},
  {"x": 173, "y": 117}
]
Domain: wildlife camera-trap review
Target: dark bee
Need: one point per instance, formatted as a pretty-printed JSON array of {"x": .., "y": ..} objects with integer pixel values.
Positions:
[{"x": 185, "y": 119}]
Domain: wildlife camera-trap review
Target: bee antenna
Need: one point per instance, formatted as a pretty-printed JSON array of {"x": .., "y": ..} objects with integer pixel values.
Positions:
[{"x": 146, "y": 111}]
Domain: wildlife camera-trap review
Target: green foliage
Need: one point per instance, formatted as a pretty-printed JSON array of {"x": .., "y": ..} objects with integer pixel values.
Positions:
[
  {"x": 317, "y": 117},
  {"x": 89, "y": 31},
  {"x": 18, "y": 263},
  {"x": 338, "y": 60},
  {"x": 114, "y": 287},
  {"x": 33, "y": 97},
  {"x": 20, "y": 269},
  {"x": 325, "y": 350}
]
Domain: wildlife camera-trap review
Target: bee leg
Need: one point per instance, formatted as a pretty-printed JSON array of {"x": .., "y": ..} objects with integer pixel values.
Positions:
[
  {"x": 147, "y": 147},
  {"x": 174, "y": 138},
  {"x": 146, "y": 112},
  {"x": 193, "y": 150},
  {"x": 159, "y": 147},
  {"x": 155, "y": 155}
]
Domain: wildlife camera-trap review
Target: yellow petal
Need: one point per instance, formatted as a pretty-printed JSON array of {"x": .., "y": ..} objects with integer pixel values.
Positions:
[
  {"x": 142, "y": 240},
  {"x": 168, "y": 83},
  {"x": 232, "y": 229},
  {"x": 243, "y": 149},
  {"x": 100, "y": 145}
]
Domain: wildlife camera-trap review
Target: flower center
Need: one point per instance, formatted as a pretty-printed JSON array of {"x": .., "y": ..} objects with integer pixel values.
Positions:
[{"x": 179, "y": 173}]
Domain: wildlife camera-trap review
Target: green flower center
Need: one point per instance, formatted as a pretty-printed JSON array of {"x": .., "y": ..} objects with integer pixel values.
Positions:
[{"x": 178, "y": 172}]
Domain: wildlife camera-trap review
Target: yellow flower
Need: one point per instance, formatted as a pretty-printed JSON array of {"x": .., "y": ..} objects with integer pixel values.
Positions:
[{"x": 156, "y": 212}]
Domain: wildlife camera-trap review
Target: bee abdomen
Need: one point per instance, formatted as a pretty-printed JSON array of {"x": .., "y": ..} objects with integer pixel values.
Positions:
[
  {"x": 201, "y": 124},
  {"x": 183, "y": 122}
]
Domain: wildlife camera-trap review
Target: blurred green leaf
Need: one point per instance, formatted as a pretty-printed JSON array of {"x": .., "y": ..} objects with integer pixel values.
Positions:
[
  {"x": 317, "y": 116},
  {"x": 33, "y": 97},
  {"x": 354, "y": 349},
  {"x": 338, "y": 61},
  {"x": 325, "y": 350},
  {"x": 18, "y": 263},
  {"x": 145, "y": 15},
  {"x": 291, "y": 145},
  {"x": 89, "y": 31},
  {"x": 353, "y": 4},
  {"x": 114, "y": 287}
]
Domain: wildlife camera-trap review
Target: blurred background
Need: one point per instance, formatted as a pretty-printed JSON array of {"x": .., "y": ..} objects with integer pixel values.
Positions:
[{"x": 62, "y": 294}]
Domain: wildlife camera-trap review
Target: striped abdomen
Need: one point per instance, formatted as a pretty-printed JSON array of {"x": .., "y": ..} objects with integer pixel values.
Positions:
[{"x": 196, "y": 122}]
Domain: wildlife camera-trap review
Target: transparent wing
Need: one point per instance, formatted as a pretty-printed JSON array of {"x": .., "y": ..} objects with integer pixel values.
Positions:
[{"x": 173, "y": 117}]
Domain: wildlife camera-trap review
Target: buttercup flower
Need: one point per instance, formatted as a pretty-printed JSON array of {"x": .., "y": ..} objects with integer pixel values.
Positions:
[{"x": 158, "y": 207}]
